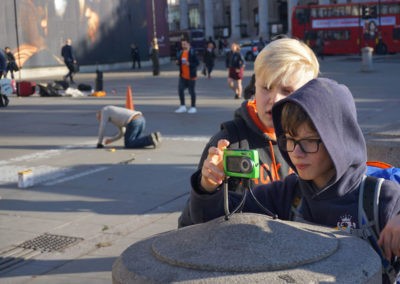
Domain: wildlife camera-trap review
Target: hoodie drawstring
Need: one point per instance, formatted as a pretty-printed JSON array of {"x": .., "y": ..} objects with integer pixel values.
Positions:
[{"x": 273, "y": 165}]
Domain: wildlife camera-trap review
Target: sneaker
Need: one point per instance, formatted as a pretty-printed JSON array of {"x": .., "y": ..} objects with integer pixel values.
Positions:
[
  {"x": 154, "y": 140},
  {"x": 192, "y": 110},
  {"x": 180, "y": 109},
  {"x": 158, "y": 137}
]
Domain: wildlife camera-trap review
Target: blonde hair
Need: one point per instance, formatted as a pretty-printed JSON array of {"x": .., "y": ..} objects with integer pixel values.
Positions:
[{"x": 283, "y": 60}]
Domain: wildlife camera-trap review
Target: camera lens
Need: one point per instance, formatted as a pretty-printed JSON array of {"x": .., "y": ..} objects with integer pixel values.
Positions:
[{"x": 246, "y": 165}]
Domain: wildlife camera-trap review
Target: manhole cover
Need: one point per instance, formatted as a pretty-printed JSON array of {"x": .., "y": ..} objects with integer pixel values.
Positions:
[{"x": 49, "y": 242}]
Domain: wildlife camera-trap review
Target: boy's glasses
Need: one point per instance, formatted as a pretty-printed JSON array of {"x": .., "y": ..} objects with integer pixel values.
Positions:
[{"x": 306, "y": 145}]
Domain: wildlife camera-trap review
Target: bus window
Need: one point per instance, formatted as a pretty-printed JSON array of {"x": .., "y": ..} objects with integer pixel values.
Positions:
[
  {"x": 310, "y": 35},
  {"x": 396, "y": 33},
  {"x": 394, "y": 9},
  {"x": 355, "y": 11},
  {"x": 384, "y": 9},
  {"x": 314, "y": 13},
  {"x": 302, "y": 16},
  {"x": 340, "y": 11},
  {"x": 348, "y": 11}
]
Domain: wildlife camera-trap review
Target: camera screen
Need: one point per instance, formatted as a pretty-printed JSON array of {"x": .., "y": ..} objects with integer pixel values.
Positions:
[{"x": 239, "y": 164}]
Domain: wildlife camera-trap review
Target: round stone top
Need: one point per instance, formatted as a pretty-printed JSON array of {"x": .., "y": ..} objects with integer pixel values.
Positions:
[
  {"x": 246, "y": 243},
  {"x": 249, "y": 248}
]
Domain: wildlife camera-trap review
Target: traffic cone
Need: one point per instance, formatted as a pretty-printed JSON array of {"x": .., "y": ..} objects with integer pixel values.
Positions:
[{"x": 129, "y": 100}]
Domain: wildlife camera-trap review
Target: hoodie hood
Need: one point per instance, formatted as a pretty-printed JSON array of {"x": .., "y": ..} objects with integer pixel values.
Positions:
[{"x": 332, "y": 110}]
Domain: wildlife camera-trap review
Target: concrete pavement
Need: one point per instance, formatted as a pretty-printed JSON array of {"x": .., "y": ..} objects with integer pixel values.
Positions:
[{"x": 111, "y": 199}]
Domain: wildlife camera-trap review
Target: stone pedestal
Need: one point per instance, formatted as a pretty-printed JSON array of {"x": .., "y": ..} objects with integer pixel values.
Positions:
[{"x": 249, "y": 248}]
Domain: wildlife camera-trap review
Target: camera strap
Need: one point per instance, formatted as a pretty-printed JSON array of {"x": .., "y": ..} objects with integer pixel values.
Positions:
[
  {"x": 226, "y": 201},
  {"x": 248, "y": 187}
]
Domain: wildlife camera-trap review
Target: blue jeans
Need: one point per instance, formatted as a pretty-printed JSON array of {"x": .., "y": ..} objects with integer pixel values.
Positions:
[
  {"x": 133, "y": 131},
  {"x": 189, "y": 84}
]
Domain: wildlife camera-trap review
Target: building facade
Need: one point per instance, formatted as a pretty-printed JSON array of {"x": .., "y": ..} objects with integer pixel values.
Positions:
[{"x": 237, "y": 19}]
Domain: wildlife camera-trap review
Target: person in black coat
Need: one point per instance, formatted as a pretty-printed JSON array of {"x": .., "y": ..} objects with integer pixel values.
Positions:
[
  {"x": 11, "y": 64},
  {"x": 209, "y": 60},
  {"x": 154, "y": 53},
  {"x": 3, "y": 63},
  {"x": 135, "y": 56},
  {"x": 69, "y": 60}
]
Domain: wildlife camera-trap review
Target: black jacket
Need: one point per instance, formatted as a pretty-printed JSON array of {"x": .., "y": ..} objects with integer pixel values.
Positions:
[
  {"x": 67, "y": 54},
  {"x": 209, "y": 57},
  {"x": 234, "y": 60}
]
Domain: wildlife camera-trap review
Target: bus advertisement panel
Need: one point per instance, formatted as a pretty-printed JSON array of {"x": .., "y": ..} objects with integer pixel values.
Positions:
[{"x": 347, "y": 28}]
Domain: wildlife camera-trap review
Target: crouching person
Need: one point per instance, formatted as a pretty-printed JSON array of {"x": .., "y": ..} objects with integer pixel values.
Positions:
[{"x": 130, "y": 124}]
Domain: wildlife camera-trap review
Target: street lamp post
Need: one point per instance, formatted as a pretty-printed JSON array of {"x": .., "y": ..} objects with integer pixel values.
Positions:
[
  {"x": 154, "y": 19},
  {"x": 17, "y": 35}
]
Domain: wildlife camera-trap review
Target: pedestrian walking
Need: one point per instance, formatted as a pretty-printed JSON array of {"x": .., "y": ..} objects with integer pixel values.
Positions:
[
  {"x": 69, "y": 60},
  {"x": 235, "y": 64},
  {"x": 220, "y": 46},
  {"x": 154, "y": 53},
  {"x": 209, "y": 60},
  {"x": 3, "y": 64},
  {"x": 319, "y": 46},
  {"x": 11, "y": 63},
  {"x": 135, "y": 55},
  {"x": 188, "y": 62}
]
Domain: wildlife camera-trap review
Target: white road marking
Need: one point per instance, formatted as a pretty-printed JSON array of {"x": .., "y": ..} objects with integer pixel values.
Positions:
[
  {"x": 51, "y": 175},
  {"x": 85, "y": 173}
]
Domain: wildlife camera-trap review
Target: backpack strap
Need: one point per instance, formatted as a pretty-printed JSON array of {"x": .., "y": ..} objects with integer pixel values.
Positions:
[
  {"x": 368, "y": 209},
  {"x": 369, "y": 203},
  {"x": 368, "y": 220}
]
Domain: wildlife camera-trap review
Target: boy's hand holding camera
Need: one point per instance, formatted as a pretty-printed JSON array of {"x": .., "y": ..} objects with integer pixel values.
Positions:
[{"x": 212, "y": 172}]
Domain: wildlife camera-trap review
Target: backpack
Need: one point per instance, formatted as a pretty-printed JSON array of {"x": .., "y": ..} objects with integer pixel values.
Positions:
[{"x": 368, "y": 213}]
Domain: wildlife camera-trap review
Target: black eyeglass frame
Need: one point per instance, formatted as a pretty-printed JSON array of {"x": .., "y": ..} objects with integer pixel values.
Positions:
[{"x": 282, "y": 143}]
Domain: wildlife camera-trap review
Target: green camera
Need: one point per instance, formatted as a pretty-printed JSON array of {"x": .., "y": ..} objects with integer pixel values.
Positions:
[{"x": 241, "y": 163}]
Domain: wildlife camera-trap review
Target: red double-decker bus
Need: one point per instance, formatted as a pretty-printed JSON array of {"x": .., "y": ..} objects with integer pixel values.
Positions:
[{"x": 347, "y": 28}]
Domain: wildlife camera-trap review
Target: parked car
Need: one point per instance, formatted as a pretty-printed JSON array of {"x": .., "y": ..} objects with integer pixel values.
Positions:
[{"x": 249, "y": 49}]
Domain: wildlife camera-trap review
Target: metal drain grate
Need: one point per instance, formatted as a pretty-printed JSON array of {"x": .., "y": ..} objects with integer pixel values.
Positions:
[
  {"x": 49, "y": 242},
  {"x": 20, "y": 254}
]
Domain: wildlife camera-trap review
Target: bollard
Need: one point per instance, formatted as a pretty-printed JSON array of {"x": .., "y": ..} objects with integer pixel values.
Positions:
[
  {"x": 99, "y": 81},
  {"x": 25, "y": 179},
  {"x": 366, "y": 53}
]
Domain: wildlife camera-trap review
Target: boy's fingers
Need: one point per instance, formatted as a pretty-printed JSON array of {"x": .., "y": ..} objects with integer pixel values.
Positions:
[{"x": 223, "y": 144}]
